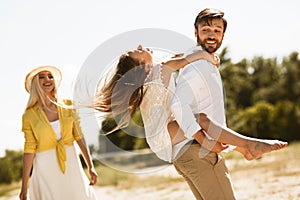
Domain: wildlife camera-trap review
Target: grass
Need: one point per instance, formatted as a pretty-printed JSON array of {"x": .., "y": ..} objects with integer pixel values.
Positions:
[
  {"x": 125, "y": 180},
  {"x": 110, "y": 176}
]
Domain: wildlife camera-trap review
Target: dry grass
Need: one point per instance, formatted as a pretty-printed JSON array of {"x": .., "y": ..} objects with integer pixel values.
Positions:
[
  {"x": 124, "y": 180},
  {"x": 8, "y": 189}
]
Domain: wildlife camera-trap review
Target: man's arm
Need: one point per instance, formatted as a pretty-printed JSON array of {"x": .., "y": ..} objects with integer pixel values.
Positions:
[{"x": 191, "y": 90}]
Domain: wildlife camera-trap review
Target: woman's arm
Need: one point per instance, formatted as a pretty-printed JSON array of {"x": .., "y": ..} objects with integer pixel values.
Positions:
[
  {"x": 27, "y": 166},
  {"x": 88, "y": 160},
  {"x": 178, "y": 61}
]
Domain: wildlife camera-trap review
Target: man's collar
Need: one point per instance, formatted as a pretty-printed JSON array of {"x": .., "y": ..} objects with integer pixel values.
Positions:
[
  {"x": 198, "y": 47},
  {"x": 193, "y": 49}
]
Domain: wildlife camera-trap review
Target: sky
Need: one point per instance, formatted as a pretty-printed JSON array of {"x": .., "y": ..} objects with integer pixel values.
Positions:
[{"x": 64, "y": 33}]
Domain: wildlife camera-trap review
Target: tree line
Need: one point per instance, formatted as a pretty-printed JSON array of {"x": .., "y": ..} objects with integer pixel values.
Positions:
[{"x": 263, "y": 96}]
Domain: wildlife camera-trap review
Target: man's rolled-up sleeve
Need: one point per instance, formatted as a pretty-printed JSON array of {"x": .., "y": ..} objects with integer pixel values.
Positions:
[{"x": 184, "y": 98}]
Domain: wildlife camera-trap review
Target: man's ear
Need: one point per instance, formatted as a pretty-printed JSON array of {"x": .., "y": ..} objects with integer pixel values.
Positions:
[
  {"x": 147, "y": 67},
  {"x": 196, "y": 33}
]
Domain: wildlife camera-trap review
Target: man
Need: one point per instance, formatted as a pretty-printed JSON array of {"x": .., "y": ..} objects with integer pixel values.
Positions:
[{"x": 199, "y": 90}]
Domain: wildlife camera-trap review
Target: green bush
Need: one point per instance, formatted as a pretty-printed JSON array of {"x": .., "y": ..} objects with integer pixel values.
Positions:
[{"x": 11, "y": 166}]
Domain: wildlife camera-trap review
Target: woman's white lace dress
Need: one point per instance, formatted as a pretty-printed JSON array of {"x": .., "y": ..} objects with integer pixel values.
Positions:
[{"x": 155, "y": 110}]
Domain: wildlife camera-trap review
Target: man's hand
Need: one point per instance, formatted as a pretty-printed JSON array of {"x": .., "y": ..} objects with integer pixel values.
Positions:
[
  {"x": 218, "y": 147},
  {"x": 209, "y": 144}
]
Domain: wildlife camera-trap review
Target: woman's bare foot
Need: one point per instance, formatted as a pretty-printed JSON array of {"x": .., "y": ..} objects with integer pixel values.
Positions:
[
  {"x": 259, "y": 147},
  {"x": 245, "y": 152}
]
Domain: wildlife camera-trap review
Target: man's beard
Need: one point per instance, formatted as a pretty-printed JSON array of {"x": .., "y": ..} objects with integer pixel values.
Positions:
[{"x": 209, "y": 49}]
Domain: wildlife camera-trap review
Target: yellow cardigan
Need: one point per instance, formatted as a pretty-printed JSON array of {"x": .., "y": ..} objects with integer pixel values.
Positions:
[{"x": 40, "y": 136}]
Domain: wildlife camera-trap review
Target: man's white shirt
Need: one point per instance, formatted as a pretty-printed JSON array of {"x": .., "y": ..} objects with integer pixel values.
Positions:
[{"x": 198, "y": 90}]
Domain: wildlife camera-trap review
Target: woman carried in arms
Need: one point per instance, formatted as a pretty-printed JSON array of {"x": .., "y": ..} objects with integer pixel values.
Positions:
[{"x": 139, "y": 82}]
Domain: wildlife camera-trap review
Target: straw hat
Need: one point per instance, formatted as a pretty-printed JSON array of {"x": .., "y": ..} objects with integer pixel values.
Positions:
[{"x": 54, "y": 71}]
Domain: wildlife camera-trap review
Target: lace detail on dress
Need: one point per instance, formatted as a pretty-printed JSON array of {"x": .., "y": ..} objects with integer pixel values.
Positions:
[{"x": 156, "y": 113}]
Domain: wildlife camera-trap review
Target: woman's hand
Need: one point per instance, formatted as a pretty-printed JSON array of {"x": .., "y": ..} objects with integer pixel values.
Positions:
[
  {"x": 93, "y": 176},
  {"x": 217, "y": 60},
  {"x": 23, "y": 194}
]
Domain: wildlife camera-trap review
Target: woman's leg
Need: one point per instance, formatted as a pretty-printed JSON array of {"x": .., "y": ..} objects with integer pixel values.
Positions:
[
  {"x": 175, "y": 133},
  {"x": 256, "y": 147},
  {"x": 251, "y": 148}
]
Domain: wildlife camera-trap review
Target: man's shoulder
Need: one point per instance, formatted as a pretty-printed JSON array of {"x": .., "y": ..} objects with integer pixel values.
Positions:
[{"x": 201, "y": 64}]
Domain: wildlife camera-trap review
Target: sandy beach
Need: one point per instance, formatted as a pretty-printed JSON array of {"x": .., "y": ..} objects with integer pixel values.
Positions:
[
  {"x": 276, "y": 176},
  {"x": 257, "y": 183}
]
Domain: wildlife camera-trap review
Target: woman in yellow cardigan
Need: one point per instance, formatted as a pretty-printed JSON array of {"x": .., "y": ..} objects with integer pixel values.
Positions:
[{"x": 50, "y": 131}]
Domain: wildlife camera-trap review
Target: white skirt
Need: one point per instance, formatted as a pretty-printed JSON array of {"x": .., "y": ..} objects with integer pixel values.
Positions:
[{"x": 47, "y": 181}]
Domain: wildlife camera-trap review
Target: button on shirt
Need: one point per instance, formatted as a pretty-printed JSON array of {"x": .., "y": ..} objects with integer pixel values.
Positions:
[{"x": 199, "y": 89}]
